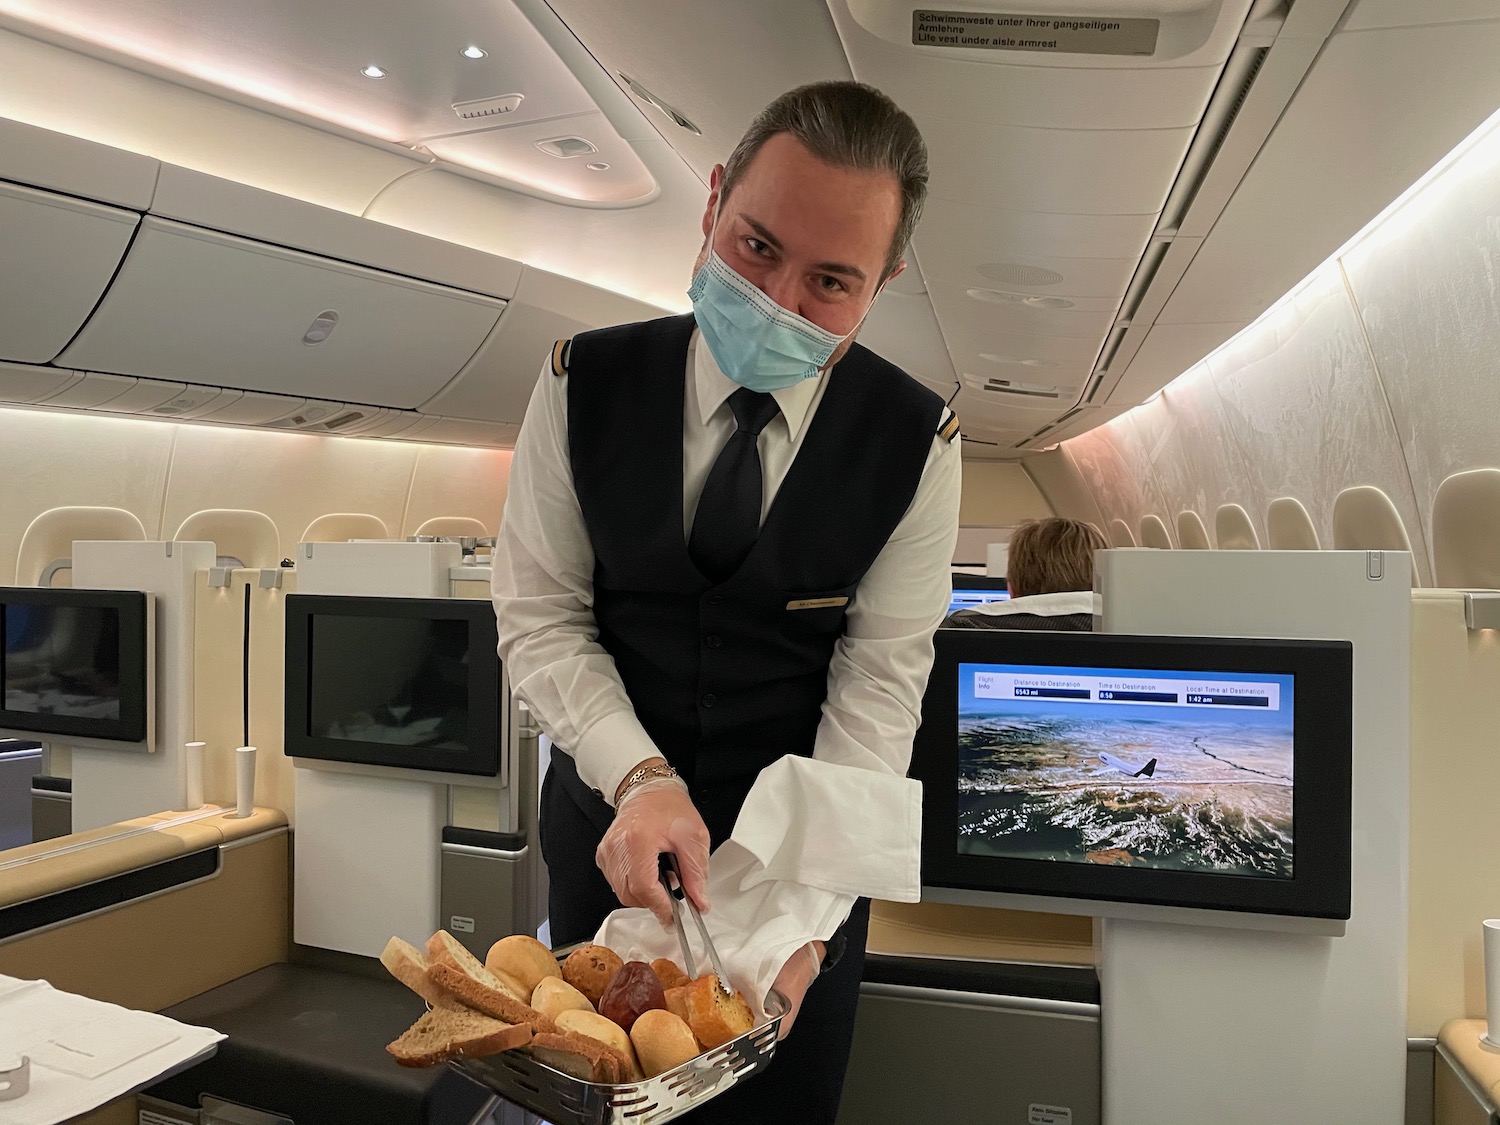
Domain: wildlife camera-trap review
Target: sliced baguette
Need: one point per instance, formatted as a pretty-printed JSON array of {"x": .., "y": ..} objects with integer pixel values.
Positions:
[
  {"x": 408, "y": 964},
  {"x": 491, "y": 1001},
  {"x": 449, "y": 1033},
  {"x": 580, "y": 1056},
  {"x": 444, "y": 949}
]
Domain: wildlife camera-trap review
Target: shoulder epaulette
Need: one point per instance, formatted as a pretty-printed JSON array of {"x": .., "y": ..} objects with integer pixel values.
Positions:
[
  {"x": 948, "y": 427},
  {"x": 561, "y": 351}
]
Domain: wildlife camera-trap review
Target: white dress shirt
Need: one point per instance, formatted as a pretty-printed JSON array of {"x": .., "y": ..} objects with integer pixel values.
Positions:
[{"x": 544, "y": 571}]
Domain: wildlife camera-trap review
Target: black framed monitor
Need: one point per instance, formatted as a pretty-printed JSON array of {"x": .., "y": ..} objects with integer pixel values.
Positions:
[
  {"x": 1170, "y": 771},
  {"x": 412, "y": 683},
  {"x": 77, "y": 663},
  {"x": 970, "y": 590}
]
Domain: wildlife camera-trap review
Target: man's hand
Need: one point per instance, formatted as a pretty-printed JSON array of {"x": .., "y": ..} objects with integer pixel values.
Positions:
[
  {"x": 795, "y": 978},
  {"x": 654, "y": 817}
]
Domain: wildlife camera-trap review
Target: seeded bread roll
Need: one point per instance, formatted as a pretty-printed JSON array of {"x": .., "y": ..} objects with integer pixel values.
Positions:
[
  {"x": 522, "y": 958},
  {"x": 714, "y": 1017},
  {"x": 449, "y": 1033},
  {"x": 590, "y": 968},
  {"x": 662, "y": 1041}
]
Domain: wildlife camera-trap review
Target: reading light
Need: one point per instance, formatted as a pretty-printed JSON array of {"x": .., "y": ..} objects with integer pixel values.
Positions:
[
  {"x": 597, "y": 166},
  {"x": 473, "y": 52},
  {"x": 373, "y": 71}
]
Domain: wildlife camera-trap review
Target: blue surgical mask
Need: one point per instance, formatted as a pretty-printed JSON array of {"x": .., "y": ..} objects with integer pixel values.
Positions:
[{"x": 755, "y": 341}]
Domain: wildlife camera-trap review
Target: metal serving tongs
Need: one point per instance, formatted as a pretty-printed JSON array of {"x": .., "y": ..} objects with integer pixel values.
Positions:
[{"x": 671, "y": 879}]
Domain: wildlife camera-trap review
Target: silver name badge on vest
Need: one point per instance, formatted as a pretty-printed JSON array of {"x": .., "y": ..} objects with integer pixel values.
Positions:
[{"x": 817, "y": 603}]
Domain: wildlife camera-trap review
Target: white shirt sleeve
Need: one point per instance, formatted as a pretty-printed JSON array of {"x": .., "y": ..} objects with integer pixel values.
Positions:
[
  {"x": 879, "y": 669},
  {"x": 543, "y": 590}
]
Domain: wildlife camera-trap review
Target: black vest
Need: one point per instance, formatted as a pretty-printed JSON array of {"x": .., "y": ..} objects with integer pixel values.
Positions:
[{"x": 728, "y": 678}]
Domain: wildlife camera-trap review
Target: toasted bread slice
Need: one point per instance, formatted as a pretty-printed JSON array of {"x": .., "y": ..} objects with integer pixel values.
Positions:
[
  {"x": 408, "y": 964},
  {"x": 444, "y": 949},
  {"x": 580, "y": 1057},
  {"x": 449, "y": 1033},
  {"x": 714, "y": 1017},
  {"x": 491, "y": 1001}
]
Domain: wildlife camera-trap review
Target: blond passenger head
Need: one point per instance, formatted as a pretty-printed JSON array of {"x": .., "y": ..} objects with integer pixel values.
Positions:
[{"x": 1052, "y": 556}]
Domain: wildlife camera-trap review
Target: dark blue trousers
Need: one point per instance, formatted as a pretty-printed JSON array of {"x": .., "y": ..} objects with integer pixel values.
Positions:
[{"x": 805, "y": 1080}]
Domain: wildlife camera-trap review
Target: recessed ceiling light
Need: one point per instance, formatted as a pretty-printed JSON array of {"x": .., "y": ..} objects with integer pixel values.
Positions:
[
  {"x": 1049, "y": 302},
  {"x": 373, "y": 71},
  {"x": 473, "y": 52},
  {"x": 597, "y": 166}
]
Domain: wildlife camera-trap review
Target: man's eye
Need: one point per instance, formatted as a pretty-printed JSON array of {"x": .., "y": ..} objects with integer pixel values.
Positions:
[
  {"x": 830, "y": 284},
  {"x": 757, "y": 246}
]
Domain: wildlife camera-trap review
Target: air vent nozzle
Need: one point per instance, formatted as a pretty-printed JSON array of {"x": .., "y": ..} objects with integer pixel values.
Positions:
[{"x": 488, "y": 107}]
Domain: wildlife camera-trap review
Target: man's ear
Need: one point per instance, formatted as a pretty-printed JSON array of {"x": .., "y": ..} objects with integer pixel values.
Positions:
[
  {"x": 895, "y": 273},
  {"x": 715, "y": 184}
]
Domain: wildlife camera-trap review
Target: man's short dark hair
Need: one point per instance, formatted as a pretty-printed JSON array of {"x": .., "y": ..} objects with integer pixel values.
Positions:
[{"x": 848, "y": 125}]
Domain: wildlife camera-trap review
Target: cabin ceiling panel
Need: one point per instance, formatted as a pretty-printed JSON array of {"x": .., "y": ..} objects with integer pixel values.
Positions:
[
  {"x": 903, "y": 329},
  {"x": 718, "y": 64},
  {"x": 143, "y": 114},
  {"x": 1167, "y": 351},
  {"x": 1426, "y": 287},
  {"x": 1366, "y": 14},
  {"x": 959, "y": 235},
  {"x": 386, "y": 69},
  {"x": 1028, "y": 314},
  {"x": 1377, "y": 110},
  {"x": 645, "y": 253},
  {"x": 1303, "y": 399}
]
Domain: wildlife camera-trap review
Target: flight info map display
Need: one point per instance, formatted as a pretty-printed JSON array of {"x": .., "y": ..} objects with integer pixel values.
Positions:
[{"x": 1188, "y": 771}]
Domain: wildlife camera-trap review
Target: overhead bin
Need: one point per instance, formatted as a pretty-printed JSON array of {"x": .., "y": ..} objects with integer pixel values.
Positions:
[
  {"x": 25, "y": 384},
  {"x": 207, "y": 307},
  {"x": 73, "y": 166},
  {"x": 57, "y": 255},
  {"x": 496, "y": 384}
]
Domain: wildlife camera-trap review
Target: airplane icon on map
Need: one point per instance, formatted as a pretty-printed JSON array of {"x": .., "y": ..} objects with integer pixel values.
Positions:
[{"x": 1148, "y": 770}]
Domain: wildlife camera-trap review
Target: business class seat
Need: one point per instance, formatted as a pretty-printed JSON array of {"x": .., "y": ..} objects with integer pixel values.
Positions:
[
  {"x": 1289, "y": 527},
  {"x": 308, "y": 1043},
  {"x": 340, "y": 527},
  {"x": 466, "y": 526},
  {"x": 1234, "y": 530},
  {"x": 1191, "y": 534},
  {"x": 247, "y": 537},
  {"x": 1466, "y": 532}
]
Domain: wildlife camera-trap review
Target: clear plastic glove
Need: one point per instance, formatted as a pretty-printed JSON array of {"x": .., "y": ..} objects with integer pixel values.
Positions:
[
  {"x": 654, "y": 817},
  {"x": 795, "y": 978}
]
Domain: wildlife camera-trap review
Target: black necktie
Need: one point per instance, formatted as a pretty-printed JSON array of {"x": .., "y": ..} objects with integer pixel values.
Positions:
[{"x": 727, "y": 522}]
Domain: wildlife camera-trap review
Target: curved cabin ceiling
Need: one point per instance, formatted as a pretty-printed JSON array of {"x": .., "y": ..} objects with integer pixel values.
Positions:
[{"x": 1117, "y": 187}]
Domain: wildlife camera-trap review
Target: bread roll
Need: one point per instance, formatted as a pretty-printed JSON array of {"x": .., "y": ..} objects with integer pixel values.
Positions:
[
  {"x": 662, "y": 1041},
  {"x": 590, "y": 968},
  {"x": 524, "y": 958},
  {"x": 677, "y": 1001},
  {"x": 669, "y": 974},
  {"x": 605, "y": 1031},
  {"x": 714, "y": 1017},
  {"x": 554, "y": 996}
]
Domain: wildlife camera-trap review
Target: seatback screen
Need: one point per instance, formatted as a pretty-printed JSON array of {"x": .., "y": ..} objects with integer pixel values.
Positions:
[
  {"x": 62, "y": 660},
  {"x": 1127, "y": 767}
]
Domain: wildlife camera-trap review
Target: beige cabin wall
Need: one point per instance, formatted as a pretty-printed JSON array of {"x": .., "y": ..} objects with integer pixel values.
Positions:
[
  {"x": 1378, "y": 370},
  {"x": 163, "y": 472},
  {"x": 998, "y": 494}
]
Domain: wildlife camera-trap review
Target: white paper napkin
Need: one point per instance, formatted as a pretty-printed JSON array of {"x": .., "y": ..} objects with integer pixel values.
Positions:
[
  {"x": 84, "y": 1052},
  {"x": 811, "y": 838}
]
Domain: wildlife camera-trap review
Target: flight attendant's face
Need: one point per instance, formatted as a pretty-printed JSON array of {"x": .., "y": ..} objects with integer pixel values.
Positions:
[{"x": 812, "y": 237}]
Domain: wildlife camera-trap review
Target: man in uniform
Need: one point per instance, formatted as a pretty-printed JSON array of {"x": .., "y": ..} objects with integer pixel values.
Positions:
[{"x": 727, "y": 539}]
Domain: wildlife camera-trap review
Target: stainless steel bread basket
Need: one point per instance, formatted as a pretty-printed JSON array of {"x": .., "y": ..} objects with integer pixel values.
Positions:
[{"x": 564, "y": 1100}]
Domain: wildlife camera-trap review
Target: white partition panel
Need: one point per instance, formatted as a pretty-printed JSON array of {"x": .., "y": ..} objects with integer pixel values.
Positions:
[
  {"x": 110, "y": 785},
  {"x": 1243, "y": 1026}
]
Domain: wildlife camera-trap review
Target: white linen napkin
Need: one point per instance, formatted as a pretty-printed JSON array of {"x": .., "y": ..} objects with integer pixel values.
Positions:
[
  {"x": 810, "y": 839},
  {"x": 84, "y": 1052}
]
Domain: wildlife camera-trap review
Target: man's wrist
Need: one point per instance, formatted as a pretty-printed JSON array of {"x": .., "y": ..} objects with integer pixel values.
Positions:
[{"x": 649, "y": 770}]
